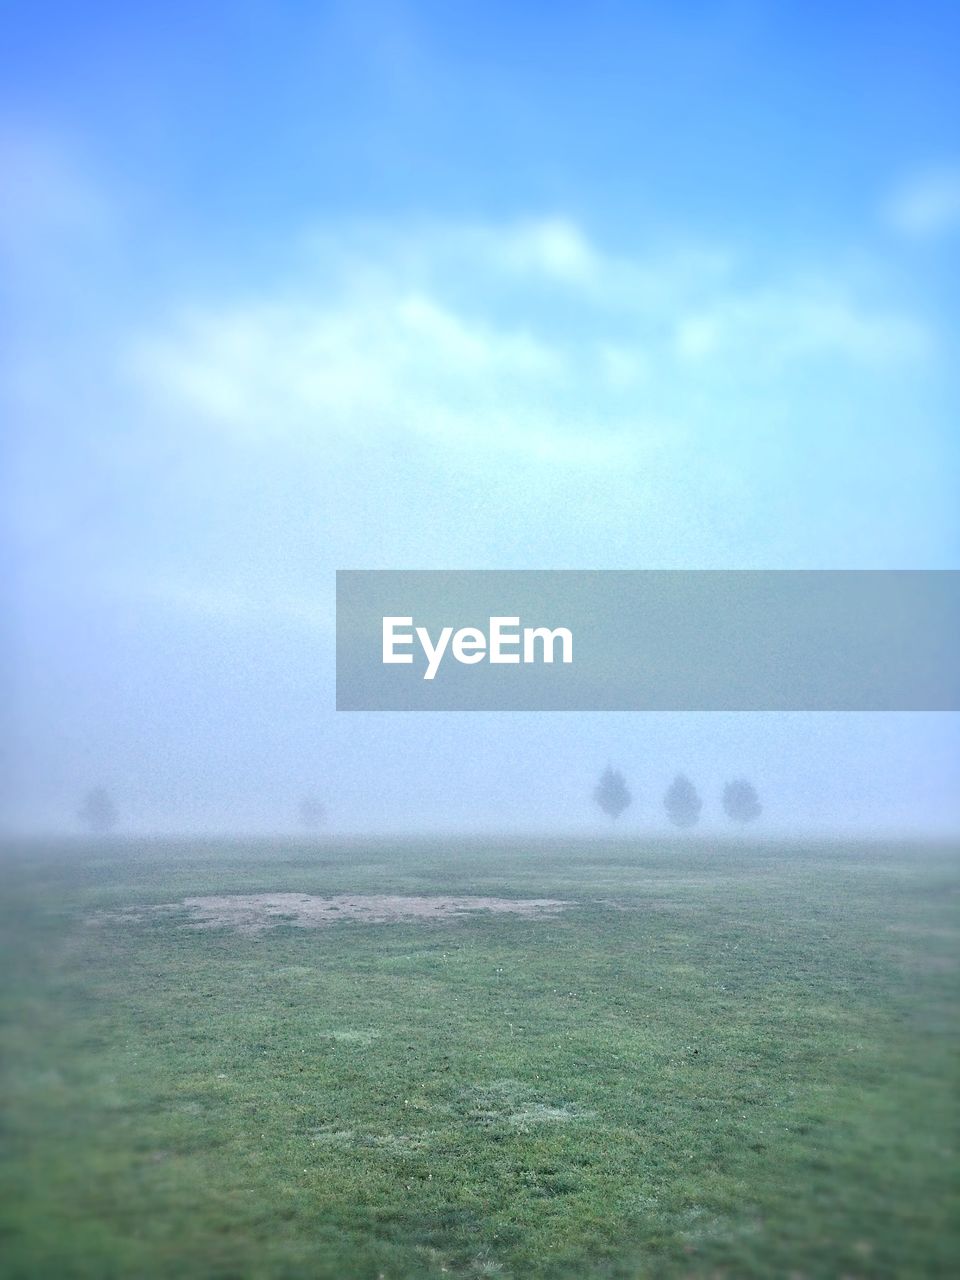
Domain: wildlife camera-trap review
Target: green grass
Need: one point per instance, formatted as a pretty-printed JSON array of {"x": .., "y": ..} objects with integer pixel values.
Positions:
[{"x": 722, "y": 1061}]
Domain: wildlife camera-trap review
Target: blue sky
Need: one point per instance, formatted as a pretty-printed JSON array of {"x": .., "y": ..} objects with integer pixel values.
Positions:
[{"x": 299, "y": 287}]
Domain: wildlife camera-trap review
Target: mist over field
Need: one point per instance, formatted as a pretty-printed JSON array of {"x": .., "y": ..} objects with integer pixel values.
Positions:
[
  {"x": 289, "y": 993},
  {"x": 816, "y": 773},
  {"x": 441, "y": 305}
]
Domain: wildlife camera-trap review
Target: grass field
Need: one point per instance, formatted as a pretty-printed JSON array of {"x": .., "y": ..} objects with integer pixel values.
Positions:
[{"x": 718, "y": 1060}]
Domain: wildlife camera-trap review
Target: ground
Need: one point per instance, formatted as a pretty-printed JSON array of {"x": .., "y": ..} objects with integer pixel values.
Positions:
[{"x": 701, "y": 1059}]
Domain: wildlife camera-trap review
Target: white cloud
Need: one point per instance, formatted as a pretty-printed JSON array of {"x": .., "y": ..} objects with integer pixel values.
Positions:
[
  {"x": 546, "y": 258},
  {"x": 452, "y": 394},
  {"x": 445, "y": 336},
  {"x": 928, "y": 204},
  {"x": 327, "y": 366},
  {"x": 554, "y": 247},
  {"x": 771, "y": 330}
]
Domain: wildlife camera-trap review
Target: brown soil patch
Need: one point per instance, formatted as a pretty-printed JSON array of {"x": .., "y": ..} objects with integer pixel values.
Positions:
[{"x": 252, "y": 912}]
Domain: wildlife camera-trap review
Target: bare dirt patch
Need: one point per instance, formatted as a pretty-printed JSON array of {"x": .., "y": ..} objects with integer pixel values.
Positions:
[{"x": 253, "y": 912}]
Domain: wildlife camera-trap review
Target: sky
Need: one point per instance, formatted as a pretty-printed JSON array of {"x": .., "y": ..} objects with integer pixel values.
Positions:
[{"x": 289, "y": 288}]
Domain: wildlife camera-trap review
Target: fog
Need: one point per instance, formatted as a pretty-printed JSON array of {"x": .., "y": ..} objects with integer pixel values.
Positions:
[
  {"x": 192, "y": 731},
  {"x": 233, "y": 366}
]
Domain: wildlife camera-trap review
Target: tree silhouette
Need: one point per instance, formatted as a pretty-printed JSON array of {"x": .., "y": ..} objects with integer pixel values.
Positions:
[
  {"x": 312, "y": 812},
  {"x": 612, "y": 793},
  {"x": 98, "y": 811},
  {"x": 682, "y": 802},
  {"x": 740, "y": 801}
]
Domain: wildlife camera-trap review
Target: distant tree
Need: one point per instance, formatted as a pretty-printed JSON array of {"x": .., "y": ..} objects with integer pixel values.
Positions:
[
  {"x": 98, "y": 812},
  {"x": 612, "y": 793},
  {"x": 312, "y": 812},
  {"x": 682, "y": 802},
  {"x": 741, "y": 802}
]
